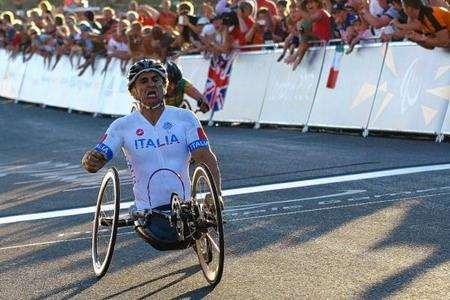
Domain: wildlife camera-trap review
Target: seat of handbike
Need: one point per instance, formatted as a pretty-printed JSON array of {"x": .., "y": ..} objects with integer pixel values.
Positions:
[{"x": 159, "y": 233}]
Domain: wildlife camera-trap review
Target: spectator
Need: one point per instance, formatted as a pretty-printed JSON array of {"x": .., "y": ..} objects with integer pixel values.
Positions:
[
  {"x": 148, "y": 46},
  {"x": 132, "y": 16},
  {"x": 343, "y": 19},
  {"x": 187, "y": 23},
  {"x": 262, "y": 29},
  {"x": 92, "y": 45},
  {"x": 147, "y": 15},
  {"x": 281, "y": 26},
  {"x": 315, "y": 25},
  {"x": 219, "y": 42},
  {"x": 270, "y": 5},
  {"x": 33, "y": 16},
  {"x": 45, "y": 8},
  {"x": 162, "y": 42},
  {"x": 245, "y": 22},
  {"x": 108, "y": 21},
  {"x": 207, "y": 11},
  {"x": 380, "y": 16},
  {"x": 358, "y": 31},
  {"x": 134, "y": 36},
  {"x": 167, "y": 18},
  {"x": 117, "y": 46},
  {"x": 90, "y": 18},
  {"x": 434, "y": 24}
]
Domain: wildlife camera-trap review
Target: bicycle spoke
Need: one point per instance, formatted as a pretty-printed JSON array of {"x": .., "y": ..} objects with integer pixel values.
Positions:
[{"x": 213, "y": 243}]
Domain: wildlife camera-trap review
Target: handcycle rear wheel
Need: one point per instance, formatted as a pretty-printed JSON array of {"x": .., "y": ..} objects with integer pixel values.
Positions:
[
  {"x": 210, "y": 246},
  {"x": 104, "y": 229}
]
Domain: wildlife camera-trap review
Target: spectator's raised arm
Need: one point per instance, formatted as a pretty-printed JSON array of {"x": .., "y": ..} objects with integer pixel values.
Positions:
[
  {"x": 221, "y": 7},
  {"x": 377, "y": 22},
  {"x": 148, "y": 11}
]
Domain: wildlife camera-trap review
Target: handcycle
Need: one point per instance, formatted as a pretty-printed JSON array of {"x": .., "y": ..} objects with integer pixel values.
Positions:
[{"x": 196, "y": 223}]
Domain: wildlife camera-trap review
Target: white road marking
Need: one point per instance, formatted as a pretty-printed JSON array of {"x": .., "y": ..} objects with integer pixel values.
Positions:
[
  {"x": 238, "y": 219},
  {"x": 359, "y": 199},
  {"x": 426, "y": 190},
  {"x": 335, "y": 207},
  {"x": 292, "y": 207},
  {"x": 55, "y": 242},
  {"x": 254, "y": 212},
  {"x": 247, "y": 190},
  {"x": 258, "y": 205}
]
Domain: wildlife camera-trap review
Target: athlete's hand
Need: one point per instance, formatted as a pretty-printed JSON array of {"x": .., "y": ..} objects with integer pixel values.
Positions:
[
  {"x": 203, "y": 106},
  {"x": 93, "y": 161}
]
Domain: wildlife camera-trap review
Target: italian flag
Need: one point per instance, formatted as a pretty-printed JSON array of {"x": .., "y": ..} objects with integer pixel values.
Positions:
[{"x": 334, "y": 70}]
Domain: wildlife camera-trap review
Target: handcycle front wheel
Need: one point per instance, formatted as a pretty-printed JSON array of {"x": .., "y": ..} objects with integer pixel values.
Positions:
[
  {"x": 210, "y": 246},
  {"x": 104, "y": 229}
]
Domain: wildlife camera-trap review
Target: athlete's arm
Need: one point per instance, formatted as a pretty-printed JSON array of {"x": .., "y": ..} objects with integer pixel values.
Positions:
[
  {"x": 198, "y": 146},
  {"x": 93, "y": 160},
  {"x": 207, "y": 157},
  {"x": 192, "y": 92}
]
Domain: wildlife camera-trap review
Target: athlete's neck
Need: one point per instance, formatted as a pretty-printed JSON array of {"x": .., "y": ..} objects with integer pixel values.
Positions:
[{"x": 152, "y": 115}]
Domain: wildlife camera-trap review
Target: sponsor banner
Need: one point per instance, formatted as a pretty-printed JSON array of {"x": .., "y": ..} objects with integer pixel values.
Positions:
[
  {"x": 290, "y": 93},
  {"x": 414, "y": 90},
  {"x": 114, "y": 96},
  {"x": 12, "y": 77},
  {"x": 247, "y": 88},
  {"x": 348, "y": 105}
]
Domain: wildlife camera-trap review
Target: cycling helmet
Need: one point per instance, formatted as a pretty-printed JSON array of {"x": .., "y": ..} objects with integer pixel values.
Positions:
[
  {"x": 146, "y": 65},
  {"x": 174, "y": 72}
]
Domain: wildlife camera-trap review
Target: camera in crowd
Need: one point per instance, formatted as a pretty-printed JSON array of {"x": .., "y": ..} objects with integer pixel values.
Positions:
[{"x": 230, "y": 18}]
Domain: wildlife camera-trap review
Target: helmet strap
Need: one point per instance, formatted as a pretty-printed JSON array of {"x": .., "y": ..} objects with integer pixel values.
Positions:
[{"x": 154, "y": 107}]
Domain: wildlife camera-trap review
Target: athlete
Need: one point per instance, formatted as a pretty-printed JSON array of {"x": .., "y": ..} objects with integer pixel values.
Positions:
[
  {"x": 154, "y": 137},
  {"x": 178, "y": 86}
]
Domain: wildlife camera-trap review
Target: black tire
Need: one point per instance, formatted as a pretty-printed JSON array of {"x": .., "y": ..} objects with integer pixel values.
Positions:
[
  {"x": 186, "y": 105},
  {"x": 105, "y": 219},
  {"x": 210, "y": 252}
]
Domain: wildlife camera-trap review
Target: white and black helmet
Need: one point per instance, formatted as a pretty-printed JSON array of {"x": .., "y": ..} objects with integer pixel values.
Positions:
[{"x": 146, "y": 65}]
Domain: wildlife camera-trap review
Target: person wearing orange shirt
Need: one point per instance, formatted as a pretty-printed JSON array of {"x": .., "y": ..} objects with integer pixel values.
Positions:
[
  {"x": 434, "y": 23},
  {"x": 167, "y": 18}
]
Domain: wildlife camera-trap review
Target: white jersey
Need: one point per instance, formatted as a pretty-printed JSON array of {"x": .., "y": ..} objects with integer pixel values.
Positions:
[{"x": 162, "y": 150}]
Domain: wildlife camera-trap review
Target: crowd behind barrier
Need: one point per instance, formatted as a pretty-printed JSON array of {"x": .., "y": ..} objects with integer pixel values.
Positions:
[
  {"x": 217, "y": 27},
  {"x": 398, "y": 87}
]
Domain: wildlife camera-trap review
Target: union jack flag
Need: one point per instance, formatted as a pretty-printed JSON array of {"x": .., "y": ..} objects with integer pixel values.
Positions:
[{"x": 217, "y": 82}]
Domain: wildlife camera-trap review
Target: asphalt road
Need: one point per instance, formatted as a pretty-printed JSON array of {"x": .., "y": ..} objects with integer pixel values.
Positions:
[{"x": 357, "y": 222}]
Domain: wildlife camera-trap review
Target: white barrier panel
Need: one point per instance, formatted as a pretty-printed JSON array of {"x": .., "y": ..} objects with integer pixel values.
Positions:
[
  {"x": 290, "y": 94},
  {"x": 12, "y": 79},
  {"x": 195, "y": 69},
  {"x": 348, "y": 104},
  {"x": 114, "y": 94},
  {"x": 3, "y": 67},
  {"x": 84, "y": 93},
  {"x": 414, "y": 90},
  {"x": 247, "y": 88},
  {"x": 44, "y": 86}
]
